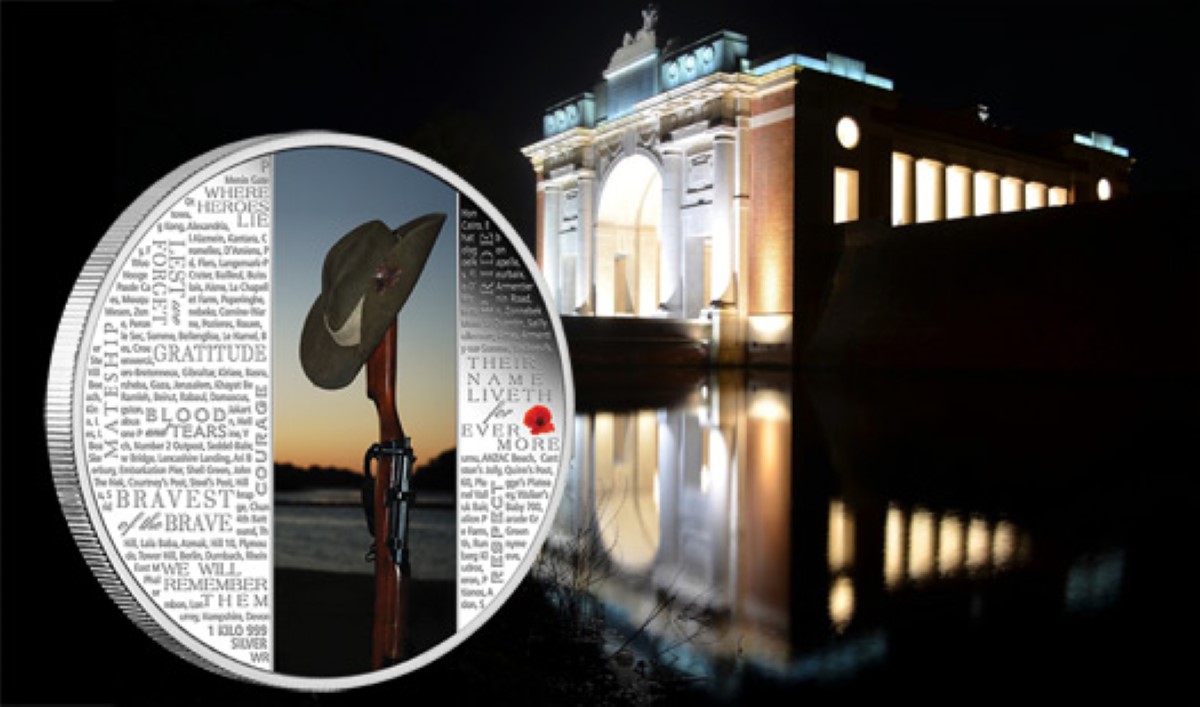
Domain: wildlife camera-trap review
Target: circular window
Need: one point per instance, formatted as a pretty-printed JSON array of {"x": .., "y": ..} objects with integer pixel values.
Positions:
[
  {"x": 1104, "y": 190},
  {"x": 847, "y": 132}
]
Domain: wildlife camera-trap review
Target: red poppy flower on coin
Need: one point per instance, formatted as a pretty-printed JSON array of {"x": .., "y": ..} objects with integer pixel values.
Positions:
[{"x": 539, "y": 420}]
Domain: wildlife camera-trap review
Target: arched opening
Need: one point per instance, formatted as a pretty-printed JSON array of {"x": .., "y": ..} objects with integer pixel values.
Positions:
[{"x": 627, "y": 239}]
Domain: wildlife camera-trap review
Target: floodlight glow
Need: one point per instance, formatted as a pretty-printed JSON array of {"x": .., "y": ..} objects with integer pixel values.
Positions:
[
  {"x": 833, "y": 64},
  {"x": 1012, "y": 194},
  {"x": 841, "y": 602},
  {"x": 921, "y": 541},
  {"x": 637, "y": 63},
  {"x": 840, "y": 550},
  {"x": 951, "y": 540},
  {"x": 987, "y": 193},
  {"x": 931, "y": 193},
  {"x": 770, "y": 328},
  {"x": 769, "y": 406},
  {"x": 958, "y": 192},
  {"x": 845, "y": 195},
  {"x": 1100, "y": 141},
  {"x": 894, "y": 548},
  {"x": 978, "y": 545},
  {"x": 902, "y": 189},
  {"x": 1035, "y": 195}
]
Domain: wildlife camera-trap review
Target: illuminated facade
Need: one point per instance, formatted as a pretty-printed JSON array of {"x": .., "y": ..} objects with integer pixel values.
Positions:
[{"x": 695, "y": 184}]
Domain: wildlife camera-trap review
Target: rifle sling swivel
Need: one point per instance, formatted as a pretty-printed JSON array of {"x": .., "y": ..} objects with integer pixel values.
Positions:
[{"x": 399, "y": 496}]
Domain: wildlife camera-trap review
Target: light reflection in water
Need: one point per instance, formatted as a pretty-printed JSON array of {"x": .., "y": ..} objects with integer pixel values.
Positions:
[
  {"x": 895, "y": 550},
  {"x": 978, "y": 545},
  {"x": 764, "y": 533},
  {"x": 841, "y": 602},
  {"x": 841, "y": 537},
  {"x": 917, "y": 542},
  {"x": 1004, "y": 545},
  {"x": 1094, "y": 581},
  {"x": 625, "y": 481},
  {"x": 920, "y": 545},
  {"x": 950, "y": 550},
  {"x": 701, "y": 502}
]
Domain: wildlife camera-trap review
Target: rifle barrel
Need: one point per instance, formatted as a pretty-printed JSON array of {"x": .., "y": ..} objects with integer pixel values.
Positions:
[{"x": 391, "y": 584}]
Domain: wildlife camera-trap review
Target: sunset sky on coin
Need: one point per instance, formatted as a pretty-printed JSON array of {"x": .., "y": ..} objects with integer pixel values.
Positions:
[{"x": 320, "y": 195}]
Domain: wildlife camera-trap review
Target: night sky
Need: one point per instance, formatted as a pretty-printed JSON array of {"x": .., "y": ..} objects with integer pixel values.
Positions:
[
  {"x": 132, "y": 92},
  {"x": 99, "y": 100}
]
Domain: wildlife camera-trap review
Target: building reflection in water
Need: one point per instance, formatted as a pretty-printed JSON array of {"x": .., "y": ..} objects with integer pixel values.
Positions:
[{"x": 722, "y": 530}]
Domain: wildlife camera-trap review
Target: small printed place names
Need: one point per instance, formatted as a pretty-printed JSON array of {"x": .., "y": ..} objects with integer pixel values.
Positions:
[
  {"x": 510, "y": 411},
  {"x": 176, "y": 412}
]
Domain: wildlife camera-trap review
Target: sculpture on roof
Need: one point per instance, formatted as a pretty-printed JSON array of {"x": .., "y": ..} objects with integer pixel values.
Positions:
[
  {"x": 649, "y": 20},
  {"x": 649, "y": 23},
  {"x": 636, "y": 46}
]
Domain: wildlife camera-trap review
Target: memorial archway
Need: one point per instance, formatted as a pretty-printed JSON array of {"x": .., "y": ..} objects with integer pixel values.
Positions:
[{"x": 627, "y": 239}]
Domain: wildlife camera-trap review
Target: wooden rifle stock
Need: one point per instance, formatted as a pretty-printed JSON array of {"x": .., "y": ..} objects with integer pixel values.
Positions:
[{"x": 391, "y": 583}]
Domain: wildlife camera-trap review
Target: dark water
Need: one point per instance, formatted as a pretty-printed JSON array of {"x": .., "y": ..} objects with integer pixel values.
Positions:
[
  {"x": 324, "y": 529},
  {"x": 760, "y": 534},
  {"x": 325, "y": 589}
]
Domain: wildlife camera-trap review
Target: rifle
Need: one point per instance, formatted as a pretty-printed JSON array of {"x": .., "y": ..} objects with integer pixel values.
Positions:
[{"x": 391, "y": 496}]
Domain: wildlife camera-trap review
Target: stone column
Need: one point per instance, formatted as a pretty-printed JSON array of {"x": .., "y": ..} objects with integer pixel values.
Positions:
[
  {"x": 585, "y": 279},
  {"x": 959, "y": 201},
  {"x": 551, "y": 257},
  {"x": 671, "y": 233},
  {"x": 723, "y": 225},
  {"x": 987, "y": 193},
  {"x": 570, "y": 244},
  {"x": 931, "y": 191},
  {"x": 969, "y": 191},
  {"x": 904, "y": 190},
  {"x": 693, "y": 276},
  {"x": 1035, "y": 195},
  {"x": 940, "y": 182},
  {"x": 741, "y": 217},
  {"x": 1012, "y": 194}
]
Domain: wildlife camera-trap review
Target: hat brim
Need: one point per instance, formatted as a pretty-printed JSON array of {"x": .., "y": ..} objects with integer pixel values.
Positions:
[{"x": 332, "y": 366}]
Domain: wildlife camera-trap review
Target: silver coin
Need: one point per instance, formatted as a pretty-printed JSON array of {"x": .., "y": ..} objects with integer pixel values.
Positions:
[{"x": 309, "y": 413}]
